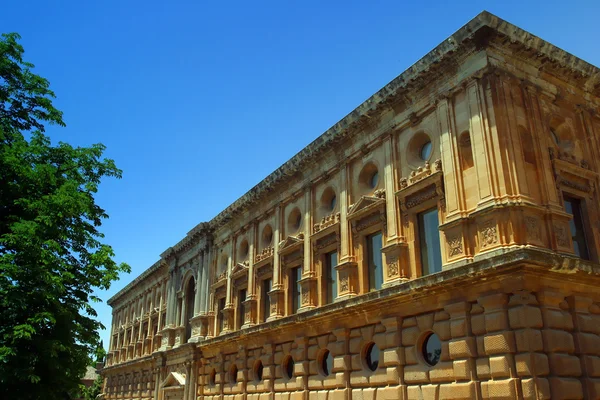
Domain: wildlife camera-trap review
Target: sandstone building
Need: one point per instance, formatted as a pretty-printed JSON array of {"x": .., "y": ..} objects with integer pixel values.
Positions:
[{"x": 440, "y": 241}]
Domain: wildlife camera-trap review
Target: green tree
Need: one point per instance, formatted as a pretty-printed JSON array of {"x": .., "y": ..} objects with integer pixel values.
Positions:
[{"x": 51, "y": 253}]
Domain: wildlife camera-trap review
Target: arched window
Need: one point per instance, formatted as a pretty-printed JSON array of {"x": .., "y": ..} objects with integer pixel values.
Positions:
[{"x": 190, "y": 294}]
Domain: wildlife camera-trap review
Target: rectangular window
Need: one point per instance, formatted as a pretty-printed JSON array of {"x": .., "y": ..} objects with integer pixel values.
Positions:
[
  {"x": 429, "y": 241},
  {"x": 295, "y": 289},
  {"x": 573, "y": 206},
  {"x": 266, "y": 300},
  {"x": 221, "y": 317},
  {"x": 330, "y": 276},
  {"x": 240, "y": 308},
  {"x": 375, "y": 261}
]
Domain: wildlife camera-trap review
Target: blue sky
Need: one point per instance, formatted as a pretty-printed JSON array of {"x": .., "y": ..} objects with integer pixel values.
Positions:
[{"x": 199, "y": 101}]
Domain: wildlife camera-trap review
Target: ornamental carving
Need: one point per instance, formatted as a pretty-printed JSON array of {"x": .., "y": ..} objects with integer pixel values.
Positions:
[
  {"x": 379, "y": 193},
  {"x": 264, "y": 270},
  {"x": 368, "y": 221},
  {"x": 344, "y": 284},
  {"x": 392, "y": 267},
  {"x": 273, "y": 307},
  {"x": 455, "y": 245},
  {"x": 532, "y": 228},
  {"x": 556, "y": 154},
  {"x": 305, "y": 296},
  {"x": 264, "y": 254},
  {"x": 561, "y": 236},
  {"x": 488, "y": 233},
  {"x": 422, "y": 196},
  {"x": 326, "y": 222},
  {"x": 325, "y": 242}
]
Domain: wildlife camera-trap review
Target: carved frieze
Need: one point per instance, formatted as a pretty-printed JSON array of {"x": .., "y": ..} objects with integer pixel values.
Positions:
[
  {"x": 532, "y": 227},
  {"x": 326, "y": 222},
  {"x": 488, "y": 233},
  {"x": 264, "y": 254},
  {"x": 392, "y": 267},
  {"x": 455, "y": 245},
  {"x": 562, "y": 238}
]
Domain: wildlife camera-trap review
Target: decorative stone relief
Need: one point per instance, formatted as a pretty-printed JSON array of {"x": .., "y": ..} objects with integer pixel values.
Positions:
[
  {"x": 455, "y": 245},
  {"x": 305, "y": 297},
  {"x": 392, "y": 267},
  {"x": 344, "y": 284},
  {"x": 532, "y": 228},
  {"x": 422, "y": 196},
  {"x": 326, "y": 222},
  {"x": 265, "y": 253},
  {"x": 561, "y": 235},
  {"x": 488, "y": 233}
]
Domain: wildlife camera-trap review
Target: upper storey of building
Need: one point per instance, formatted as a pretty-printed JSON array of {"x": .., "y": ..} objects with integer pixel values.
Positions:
[{"x": 488, "y": 143}]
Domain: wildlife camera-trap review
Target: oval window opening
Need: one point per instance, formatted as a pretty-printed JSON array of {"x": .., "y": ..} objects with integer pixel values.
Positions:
[
  {"x": 258, "y": 371},
  {"x": 288, "y": 368},
  {"x": 233, "y": 373},
  {"x": 326, "y": 363},
  {"x": 432, "y": 349},
  {"x": 213, "y": 377},
  {"x": 372, "y": 357},
  {"x": 425, "y": 152},
  {"x": 374, "y": 180}
]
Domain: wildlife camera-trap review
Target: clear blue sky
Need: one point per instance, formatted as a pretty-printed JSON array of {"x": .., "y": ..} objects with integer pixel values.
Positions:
[{"x": 198, "y": 101}]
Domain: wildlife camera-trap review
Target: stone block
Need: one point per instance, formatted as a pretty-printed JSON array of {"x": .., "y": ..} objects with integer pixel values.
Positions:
[
  {"x": 535, "y": 389},
  {"x": 392, "y": 356},
  {"x": 500, "y": 366},
  {"x": 355, "y": 345},
  {"x": 530, "y": 364},
  {"x": 565, "y": 388},
  {"x": 461, "y": 348},
  {"x": 564, "y": 365},
  {"x": 499, "y": 343},
  {"x": 593, "y": 388},
  {"x": 589, "y": 343},
  {"x": 392, "y": 339},
  {"x": 592, "y": 365},
  {"x": 496, "y": 321},
  {"x": 458, "y": 327},
  {"x": 430, "y": 391},
  {"x": 442, "y": 372},
  {"x": 410, "y": 336},
  {"x": 478, "y": 324},
  {"x": 414, "y": 393},
  {"x": 588, "y": 323},
  {"x": 525, "y": 317},
  {"x": 557, "y": 319},
  {"x": 425, "y": 322},
  {"x": 363, "y": 394},
  {"x": 499, "y": 389},
  {"x": 462, "y": 370},
  {"x": 529, "y": 340},
  {"x": 390, "y": 393},
  {"x": 416, "y": 374},
  {"x": 410, "y": 355},
  {"x": 483, "y": 368},
  {"x": 442, "y": 328},
  {"x": 458, "y": 391},
  {"x": 558, "y": 341}
]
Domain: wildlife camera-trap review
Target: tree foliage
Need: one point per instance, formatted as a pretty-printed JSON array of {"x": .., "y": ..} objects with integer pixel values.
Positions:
[{"x": 51, "y": 251}]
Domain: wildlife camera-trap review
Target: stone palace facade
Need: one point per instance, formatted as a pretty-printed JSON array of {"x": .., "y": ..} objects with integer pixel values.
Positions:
[{"x": 440, "y": 242}]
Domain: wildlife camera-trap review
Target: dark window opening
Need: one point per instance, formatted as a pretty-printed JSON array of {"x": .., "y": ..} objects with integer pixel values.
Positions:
[
  {"x": 331, "y": 261},
  {"x": 573, "y": 207},
  {"x": 295, "y": 289},
  {"x": 375, "y": 261},
  {"x": 266, "y": 301},
  {"x": 429, "y": 241},
  {"x": 240, "y": 308}
]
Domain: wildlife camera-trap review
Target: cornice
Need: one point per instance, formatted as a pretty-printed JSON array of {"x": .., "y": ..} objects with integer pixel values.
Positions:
[{"x": 483, "y": 31}]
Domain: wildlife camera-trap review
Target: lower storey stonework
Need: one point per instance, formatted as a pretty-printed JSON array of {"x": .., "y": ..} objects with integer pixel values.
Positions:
[{"x": 520, "y": 324}]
